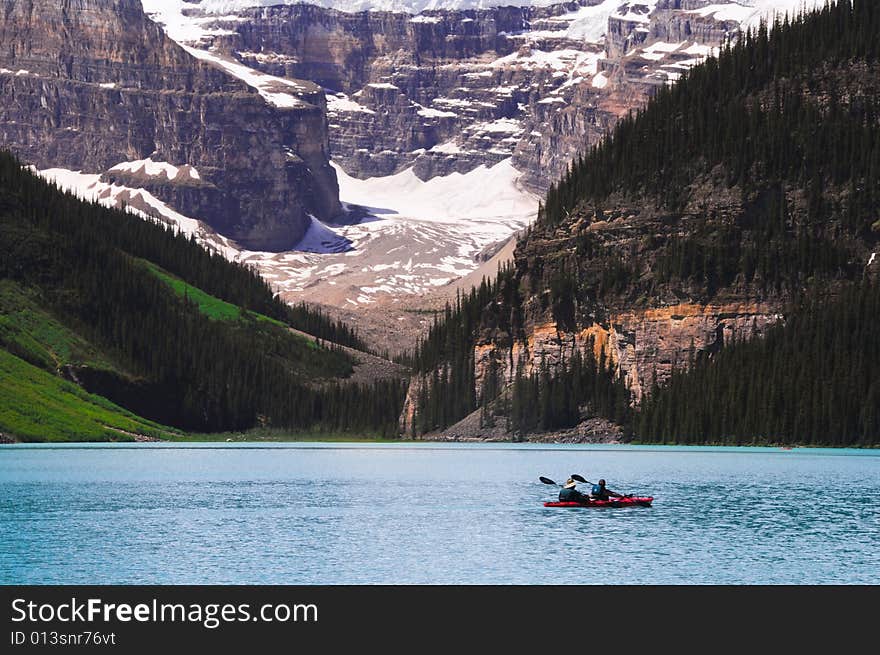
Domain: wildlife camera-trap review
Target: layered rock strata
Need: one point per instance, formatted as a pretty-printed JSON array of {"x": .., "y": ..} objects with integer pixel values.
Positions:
[
  {"x": 446, "y": 91},
  {"x": 91, "y": 84}
]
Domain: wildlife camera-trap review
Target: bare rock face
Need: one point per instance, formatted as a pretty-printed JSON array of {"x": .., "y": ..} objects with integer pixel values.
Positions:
[
  {"x": 90, "y": 84},
  {"x": 558, "y": 134},
  {"x": 646, "y": 327},
  {"x": 339, "y": 50},
  {"x": 445, "y": 91},
  {"x": 630, "y": 72},
  {"x": 646, "y": 345},
  {"x": 471, "y": 87},
  {"x": 635, "y": 24}
]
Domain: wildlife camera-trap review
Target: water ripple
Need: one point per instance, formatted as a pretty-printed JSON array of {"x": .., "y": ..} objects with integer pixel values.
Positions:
[{"x": 458, "y": 515}]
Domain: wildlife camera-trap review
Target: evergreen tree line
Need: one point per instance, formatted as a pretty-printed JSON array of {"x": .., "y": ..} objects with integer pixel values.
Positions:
[
  {"x": 546, "y": 399},
  {"x": 720, "y": 113},
  {"x": 774, "y": 117},
  {"x": 233, "y": 282},
  {"x": 185, "y": 369},
  {"x": 581, "y": 386},
  {"x": 314, "y": 321},
  {"x": 444, "y": 359},
  {"x": 447, "y": 336},
  {"x": 814, "y": 379}
]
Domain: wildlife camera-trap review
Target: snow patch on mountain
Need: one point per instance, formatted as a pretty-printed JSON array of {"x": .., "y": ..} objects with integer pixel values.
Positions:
[
  {"x": 277, "y": 91},
  {"x": 656, "y": 50},
  {"x": 487, "y": 195},
  {"x": 590, "y": 23},
  {"x": 749, "y": 13},
  {"x": 340, "y": 102},
  {"x": 320, "y": 238},
  {"x": 419, "y": 235},
  {"x": 636, "y": 11},
  {"x": 180, "y": 28}
]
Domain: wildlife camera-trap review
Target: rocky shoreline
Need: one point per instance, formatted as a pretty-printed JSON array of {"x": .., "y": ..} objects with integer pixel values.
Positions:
[{"x": 589, "y": 431}]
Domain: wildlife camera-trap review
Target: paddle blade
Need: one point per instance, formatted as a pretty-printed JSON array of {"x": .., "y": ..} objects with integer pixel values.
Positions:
[
  {"x": 576, "y": 477},
  {"x": 546, "y": 480}
]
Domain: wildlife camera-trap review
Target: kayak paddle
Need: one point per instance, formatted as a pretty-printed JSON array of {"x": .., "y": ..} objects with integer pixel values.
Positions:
[{"x": 548, "y": 481}]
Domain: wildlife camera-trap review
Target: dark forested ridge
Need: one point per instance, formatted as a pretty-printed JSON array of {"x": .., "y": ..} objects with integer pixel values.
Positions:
[
  {"x": 788, "y": 121},
  {"x": 812, "y": 380},
  {"x": 542, "y": 400},
  {"x": 445, "y": 359},
  {"x": 755, "y": 179},
  {"x": 163, "y": 356},
  {"x": 797, "y": 101},
  {"x": 551, "y": 400}
]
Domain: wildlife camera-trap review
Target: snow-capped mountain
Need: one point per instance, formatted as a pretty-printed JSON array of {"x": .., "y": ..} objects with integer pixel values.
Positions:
[
  {"x": 439, "y": 96},
  {"x": 444, "y": 121}
]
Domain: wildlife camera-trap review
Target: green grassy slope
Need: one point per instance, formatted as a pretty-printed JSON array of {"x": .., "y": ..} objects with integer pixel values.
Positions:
[
  {"x": 215, "y": 308},
  {"x": 38, "y": 406},
  {"x": 209, "y": 305},
  {"x": 151, "y": 322},
  {"x": 31, "y": 332}
]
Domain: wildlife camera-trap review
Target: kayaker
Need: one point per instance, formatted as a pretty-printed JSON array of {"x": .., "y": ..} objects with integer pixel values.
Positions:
[
  {"x": 568, "y": 493},
  {"x": 599, "y": 492}
]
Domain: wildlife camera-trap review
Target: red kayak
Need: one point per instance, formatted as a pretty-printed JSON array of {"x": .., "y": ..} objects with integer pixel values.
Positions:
[{"x": 628, "y": 501}]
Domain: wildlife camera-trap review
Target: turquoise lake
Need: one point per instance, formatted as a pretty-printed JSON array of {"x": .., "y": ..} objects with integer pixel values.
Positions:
[{"x": 434, "y": 514}]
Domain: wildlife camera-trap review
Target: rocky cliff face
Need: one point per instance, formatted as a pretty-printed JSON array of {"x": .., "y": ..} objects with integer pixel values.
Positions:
[
  {"x": 404, "y": 90},
  {"x": 645, "y": 47},
  {"x": 343, "y": 50},
  {"x": 644, "y": 322},
  {"x": 619, "y": 302},
  {"x": 635, "y": 24},
  {"x": 447, "y": 91},
  {"x": 91, "y": 84},
  {"x": 645, "y": 344}
]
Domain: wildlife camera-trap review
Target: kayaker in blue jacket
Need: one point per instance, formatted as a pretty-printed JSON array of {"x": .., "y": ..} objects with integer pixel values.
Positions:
[
  {"x": 568, "y": 493},
  {"x": 599, "y": 492}
]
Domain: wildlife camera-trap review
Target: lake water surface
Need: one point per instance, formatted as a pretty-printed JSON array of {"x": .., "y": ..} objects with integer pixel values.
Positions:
[{"x": 434, "y": 514}]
